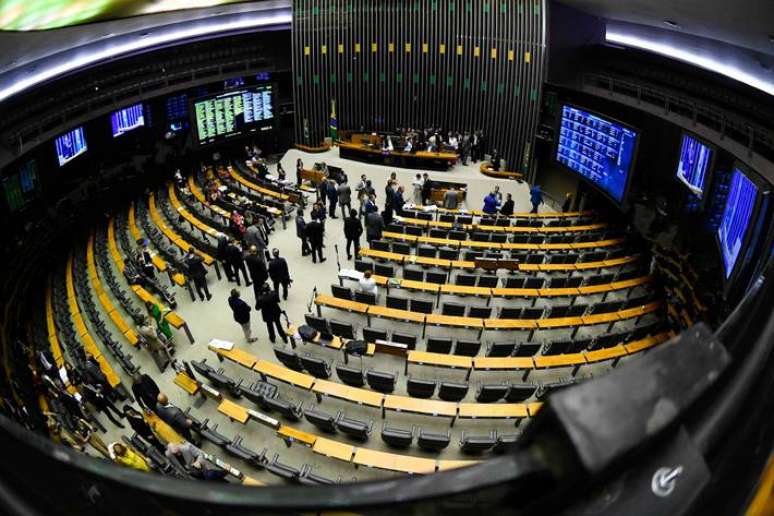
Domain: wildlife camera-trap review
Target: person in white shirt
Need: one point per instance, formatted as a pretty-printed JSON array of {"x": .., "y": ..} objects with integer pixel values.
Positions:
[
  {"x": 367, "y": 284},
  {"x": 418, "y": 184},
  {"x": 408, "y": 146}
]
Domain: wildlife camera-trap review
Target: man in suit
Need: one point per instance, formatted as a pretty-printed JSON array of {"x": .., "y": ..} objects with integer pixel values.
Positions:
[
  {"x": 279, "y": 273},
  {"x": 145, "y": 391},
  {"x": 314, "y": 233},
  {"x": 257, "y": 268},
  {"x": 374, "y": 226},
  {"x": 345, "y": 198},
  {"x": 236, "y": 260},
  {"x": 333, "y": 198},
  {"x": 221, "y": 254},
  {"x": 271, "y": 311},
  {"x": 197, "y": 273},
  {"x": 241, "y": 312},
  {"x": 174, "y": 417},
  {"x": 301, "y": 233},
  {"x": 352, "y": 231},
  {"x": 254, "y": 237}
]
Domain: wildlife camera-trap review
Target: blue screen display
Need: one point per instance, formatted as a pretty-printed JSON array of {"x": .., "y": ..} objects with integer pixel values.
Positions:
[
  {"x": 70, "y": 145},
  {"x": 599, "y": 150},
  {"x": 236, "y": 82},
  {"x": 177, "y": 107},
  {"x": 742, "y": 194},
  {"x": 124, "y": 120},
  {"x": 694, "y": 164}
]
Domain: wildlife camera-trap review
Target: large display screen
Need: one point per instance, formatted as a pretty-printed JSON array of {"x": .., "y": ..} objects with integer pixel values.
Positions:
[
  {"x": 70, "y": 145},
  {"x": 229, "y": 114},
  {"x": 693, "y": 168},
  {"x": 124, "y": 120},
  {"x": 51, "y": 14},
  {"x": 598, "y": 149},
  {"x": 734, "y": 226}
]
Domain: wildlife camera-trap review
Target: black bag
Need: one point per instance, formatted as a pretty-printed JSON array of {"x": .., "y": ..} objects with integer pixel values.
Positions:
[
  {"x": 356, "y": 347},
  {"x": 307, "y": 333}
]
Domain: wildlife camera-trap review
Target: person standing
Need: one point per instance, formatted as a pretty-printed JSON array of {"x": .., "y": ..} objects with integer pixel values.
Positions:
[
  {"x": 198, "y": 273},
  {"x": 345, "y": 198},
  {"x": 465, "y": 148},
  {"x": 374, "y": 226},
  {"x": 161, "y": 322},
  {"x": 241, "y": 312},
  {"x": 254, "y": 237},
  {"x": 125, "y": 456},
  {"x": 257, "y": 268},
  {"x": 271, "y": 312},
  {"x": 495, "y": 160},
  {"x": 352, "y": 231},
  {"x": 417, "y": 185},
  {"x": 536, "y": 198},
  {"x": 490, "y": 204},
  {"x": 427, "y": 188},
  {"x": 450, "y": 199},
  {"x": 94, "y": 394},
  {"x": 398, "y": 201},
  {"x": 507, "y": 207},
  {"x": 370, "y": 205},
  {"x": 362, "y": 194},
  {"x": 567, "y": 202},
  {"x": 236, "y": 258},
  {"x": 145, "y": 390},
  {"x": 318, "y": 214},
  {"x": 279, "y": 273},
  {"x": 314, "y": 233},
  {"x": 142, "y": 428},
  {"x": 322, "y": 190},
  {"x": 389, "y": 191},
  {"x": 174, "y": 417},
  {"x": 301, "y": 233},
  {"x": 222, "y": 256},
  {"x": 333, "y": 197}
]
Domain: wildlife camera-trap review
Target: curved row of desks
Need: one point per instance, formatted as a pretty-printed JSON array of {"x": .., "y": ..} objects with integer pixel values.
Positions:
[
  {"x": 500, "y": 229},
  {"x": 472, "y": 244},
  {"x": 158, "y": 262}
]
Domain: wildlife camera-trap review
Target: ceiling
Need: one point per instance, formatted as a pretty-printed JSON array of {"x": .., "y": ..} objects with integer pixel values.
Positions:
[{"x": 744, "y": 23}]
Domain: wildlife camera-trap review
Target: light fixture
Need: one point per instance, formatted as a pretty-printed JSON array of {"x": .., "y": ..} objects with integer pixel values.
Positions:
[
  {"x": 692, "y": 57},
  {"x": 159, "y": 37},
  {"x": 671, "y": 24}
]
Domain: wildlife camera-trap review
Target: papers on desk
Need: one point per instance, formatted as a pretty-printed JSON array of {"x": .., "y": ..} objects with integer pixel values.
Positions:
[
  {"x": 221, "y": 344},
  {"x": 222, "y": 188},
  {"x": 350, "y": 274},
  {"x": 393, "y": 282}
]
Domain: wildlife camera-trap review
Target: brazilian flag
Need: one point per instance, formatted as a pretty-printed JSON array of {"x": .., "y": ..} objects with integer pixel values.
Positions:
[{"x": 333, "y": 125}]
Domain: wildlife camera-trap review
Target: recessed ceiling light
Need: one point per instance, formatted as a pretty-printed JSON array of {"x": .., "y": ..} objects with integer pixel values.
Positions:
[{"x": 672, "y": 24}]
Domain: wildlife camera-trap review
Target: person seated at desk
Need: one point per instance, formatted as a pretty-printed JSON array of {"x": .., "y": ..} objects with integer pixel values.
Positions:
[
  {"x": 507, "y": 207},
  {"x": 409, "y": 146},
  {"x": 367, "y": 284},
  {"x": 496, "y": 161},
  {"x": 387, "y": 145}
]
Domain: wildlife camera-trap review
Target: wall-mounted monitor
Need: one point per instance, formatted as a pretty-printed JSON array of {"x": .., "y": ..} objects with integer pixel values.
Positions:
[
  {"x": 734, "y": 229},
  {"x": 28, "y": 176},
  {"x": 233, "y": 113},
  {"x": 695, "y": 164},
  {"x": 127, "y": 119},
  {"x": 598, "y": 148},
  {"x": 234, "y": 82},
  {"x": 70, "y": 145}
]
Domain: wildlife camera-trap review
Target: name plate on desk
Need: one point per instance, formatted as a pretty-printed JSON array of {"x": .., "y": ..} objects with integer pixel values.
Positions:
[
  {"x": 488, "y": 264},
  {"x": 264, "y": 419},
  {"x": 221, "y": 344},
  {"x": 391, "y": 348}
]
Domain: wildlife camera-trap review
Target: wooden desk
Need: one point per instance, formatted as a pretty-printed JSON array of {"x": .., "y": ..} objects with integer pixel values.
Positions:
[
  {"x": 600, "y": 318},
  {"x": 237, "y": 356},
  {"x": 568, "y": 359},
  {"x": 233, "y": 411},
  {"x": 293, "y": 434},
  {"x": 510, "y": 324},
  {"x": 515, "y": 292},
  {"x": 186, "y": 383},
  {"x": 420, "y": 406},
  {"x": 393, "y": 462},
  {"x": 400, "y": 236},
  {"x": 600, "y": 355},
  {"x": 382, "y": 255},
  {"x": 284, "y": 374},
  {"x": 439, "y": 359},
  {"x": 557, "y": 292},
  {"x": 420, "y": 285},
  {"x": 164, "y": 431},
  {"x": 418, "y": 160},
  {"x": 341, "y": 304},
  {"x": 334, "y": 449},
  {"x": 251, "y": 482},
  {"x": 640, "y": 310},
  {"x": 647, "y": 342},
  {"x": 502, "y": 363},
  {"x": 461, "y": 290},
  {"x": 457, "y": 321},
  {"x": 394, "y": 313},
  {"x": 493, "y": 410},
  {"x": 444, "y": 465},
  {"x": 345, "y": 392},
  {"x": 559, "y": 322},
  {"x": 533, "y": 408}
]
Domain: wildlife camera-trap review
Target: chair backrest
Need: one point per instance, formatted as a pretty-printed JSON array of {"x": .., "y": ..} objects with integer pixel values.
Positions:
[
  {"x": 405, "y": 338},
  {"x": 419, "y": 388},
  {"x": 452, "y": 391},
  {"x": 465, "y": 280},
  {"x": 510, "y": 312},
  {"x": 447, "y": 217},
  {"x": 499, "y": 238},
  {"x": 439, "y": 345},
  {"x": 342, "y": 329},
  {"x": 438, "y": 278},
  {"x": 455, "y": 309},
  {"x": 394, "y": 228},
  {"x": 289, "y": 359},
  {"x": 557, "y": 282},
  {"x": 457, "y": 235},
  {"x": 433, "y": 442},
  {"x": 607, "y": 306},
  {"x": 341, "y": 292},
  {"x": 527, "y": 349},
  {"x": 290, "y": 411},
  {"x": 489, "y": 281},
  {"x": 427, "y": 251},
  {"x": 382, "y": 269},
  {"x": 397, "y": 437},
  {"x": 381, "y": 245},
  {"x": 362, "y": 265},
  {"x": 448, "y": 253},
  {"x": 472, "y": 256},
  {"x": 527, "y": 313},
  {"x": 401, "y": 248},
  {"x": 491, "y": 392},
  {"x": 514, "y": 282},
  {"x": 503, "y": 222},
  {"x": 500, "y": 349},
  {"x": 414, "y": 230},
  {"x": 368, "y": 298},
  {"x": 518, "y": 392},
  {"x": 354, "y": 428},
  {"x": 438, "y": 233},
  {"x": 374, "y": 334},
  {"x": 467, "y": 348},
  {"x": 381, "y": 381},
  {"x": 558, "y": 347},
  {"x": 577, "y": 310},
  {"x": 480, "y": 312},
  {"x": 414, "y": 274},
  {"x": 478, "y": 236},
  {"x": 474, "y": 444},
  {"x": 535, "y": 258},
  {"x": 505, "y": 443},
  {"x": 350, "y": 375},
  {"x": 321, "y": 420},
  {"x": 534, "y": 282},
  {"x": 318, "y": 323},
  {"x": 421, "y": 306},
  {"x": 465, "y": 219},
  {"x": 399, "y": 303},
  {"x": 317, "y": 367}
]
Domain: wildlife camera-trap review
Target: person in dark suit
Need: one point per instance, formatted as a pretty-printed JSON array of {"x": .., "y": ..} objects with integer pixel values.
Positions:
[
  {"x": 257, "y": 268},
  {"x": 271, "y": 311},
  {"x": 279, "y": 273},
  {"x": 174, "y": 417},
  {"x": 241, "y": 312},
  {"x": 197, "y": 273},
  {"x": 221, "y": 255},
  {"x": 301, "y": 233},
  {"x": 236, "y": 259},
  {"x": 507, "y": 207},
  {"x": 145, "y": 391},
  {"x": 95, "y": 395},
  {"x": 333, "y": 198},
  {"x": 352, "y": 231},
  {"x": 374, "y": 226},
  {"x": 142, "y": 428},
  {"x": 398, "y": 201},
  {"x": 314, "y": 233},
  {"x": 427, "y": 189}
]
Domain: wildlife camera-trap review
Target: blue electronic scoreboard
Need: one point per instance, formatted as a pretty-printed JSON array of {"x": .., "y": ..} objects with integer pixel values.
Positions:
[
  {"x": 70, "y": 145},
  {"x": 600, "y": 150},
  {"x": 736, "y": 221},
  {"x": 693, "y": 167},
  {"x": 126, "y": 119}
]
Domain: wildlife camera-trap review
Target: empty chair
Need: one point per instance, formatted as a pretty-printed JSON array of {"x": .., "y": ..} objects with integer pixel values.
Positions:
[
  {"x": 535, "y": 259},
  {"x": 574, "y": 281},
  {"x": 383, "y": 269},
  {"x": 557, "y": 282},
  {"x": 405, "y": 338},
  {"x": 508, "y": 312},
  {"x": 480, "y": 312},
  {"x": 362, "y": 266},
  {"x": 414, "y": 230},
  {"x": 473, "y": 444},
  {"x": 413, "y": 274},
  {"x": 397, "y": 437},
  {"x": 447, "y": 217},
  {"x": 258, "y": 391},
  {"x": 505, "y": 443},
  {"x": 421, "y": 306},
  {"x": 399, "y": 303},
  {"x": 401, "y": 248},
  {"x": 237, "y": 449},
  {"x": 558, "y": 347},
  {"x": 433, "y": 442},
  {"x": 317, "y": 367},
  {"x": 354, "y": 428},
  {"x": 527, "y": 349},
  {"x": 380, "y": 245},
  {"x": 455, "y": 309},
  {"x": 321, "y": 420},
  {"x": 487, "y": 221},
  {"x": 464, "y": 219},
  {"x": 518, "y": 392},
  {"x": 341, "y": 292},
  {"x": 605, "y": 341},
  {"x": 307, "y": 477},
  {"x": 427, "y": 251},
  {"x": 491, "y": 392},
  {"x": 478, "y": 236},
  {"x": 318, "y": 323},
  {"x": 447, "y": 253},
  {"x": 212, "y": 434},
  {"x": 452, "y": 391},
  {"x": 534, "y": 283},
  {"x": 599, "y": 279},
  {"x": 457, "y": 235},
  {"x": 381, "y": 381},
  {"x": 526, "y": 313},
  {"x": 394, "y": 228},
  {"x": 350, "y": 375},
  {"x": 467, "y": 348},
  {"x": 466, "y": 280},
  {"x": 424, "y": 215},
  {"x": 608, "y": 306},
  {"x": 514, "y": 282},
  {"x": 438, "y": 233},
  {"x": 577, "y": 310},
  {"x": 472, "y": 256},
  {"x": 500, "y": 349},
  {"x": 342, "y": 329},
  {"x": 368, "y": 298},
  {"x": 439, "y": 345},
  {"x": 488, "y": 281},
  {"x": 502, "y": 222},
  {"x": 419, "y": 388},
  {"x": 549, "y": 388},
  {"x": 283, "y": 471},
  {"x": 288, "y": 410},
  {"x": 374, "y": 334},
  {"x": 289, "y": 359},
  {"x": 559, "y": 311},
  {"x": 556, "y": 258},
  {"x": 438, "y": 278}
]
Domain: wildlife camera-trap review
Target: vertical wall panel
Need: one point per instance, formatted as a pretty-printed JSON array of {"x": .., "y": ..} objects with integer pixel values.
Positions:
[{"x": 358, "y": 57}]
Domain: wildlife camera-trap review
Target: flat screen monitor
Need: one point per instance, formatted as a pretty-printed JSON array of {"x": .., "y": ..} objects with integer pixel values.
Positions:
[
  {"x": 737, "y": 219},
  {"x": 599, "y": 149},
  {"x": 233, "y": 113},
  {"x": 234, "y": 82},
  {"x": 70, "y": 145},
  {"x": 694, "y": 165},
  {"x": 28, "y": 176},
  {"x": 177, "y": 107},
  {"x": 127, "y": 119}
]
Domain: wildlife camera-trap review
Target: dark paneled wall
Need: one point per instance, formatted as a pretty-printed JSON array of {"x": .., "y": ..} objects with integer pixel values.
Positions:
[{"x": 460, "y": 64}]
